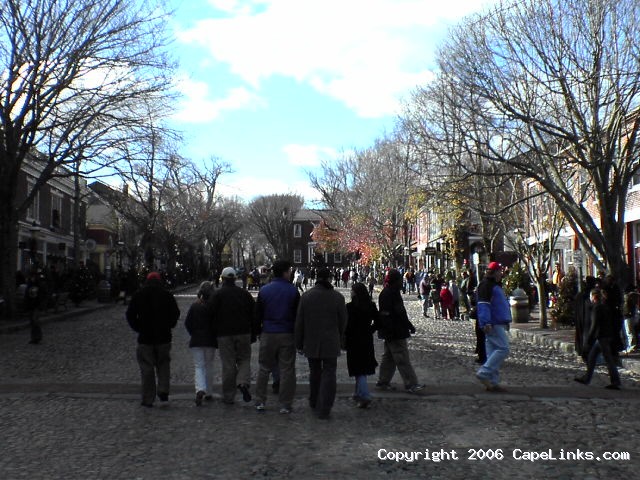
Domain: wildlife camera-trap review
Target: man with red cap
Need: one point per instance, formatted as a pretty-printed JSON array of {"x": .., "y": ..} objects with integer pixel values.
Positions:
[
  {"x": 494, "y": 317},
  {"x": 152, "y": 313}
]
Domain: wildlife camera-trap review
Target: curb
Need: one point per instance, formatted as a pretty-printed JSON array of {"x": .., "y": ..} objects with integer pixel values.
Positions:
[{"x": 546, "y": 339}]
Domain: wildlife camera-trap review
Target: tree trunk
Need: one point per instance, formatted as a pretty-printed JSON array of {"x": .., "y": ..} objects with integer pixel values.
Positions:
[
  {"x": 8, "y": 255},
  {"x": 542, "y": 302}
]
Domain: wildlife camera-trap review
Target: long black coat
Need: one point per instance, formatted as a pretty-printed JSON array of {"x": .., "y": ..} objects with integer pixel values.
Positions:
[{"x": 361, "y": 323}]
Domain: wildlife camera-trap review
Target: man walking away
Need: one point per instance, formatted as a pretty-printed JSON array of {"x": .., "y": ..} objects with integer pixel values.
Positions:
[
  {"x": 276, "y": 314},
  {"x": 152, "y": 313},
  {"x": 394, "y": 329},
  {"x": 232, "y": 310},
  {"x": 494, "y": 317},
  {"x": 319, "y": 331}
]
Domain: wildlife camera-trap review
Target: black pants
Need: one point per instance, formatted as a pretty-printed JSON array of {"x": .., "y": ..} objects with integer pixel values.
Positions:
[
  {"x": 322, "y": 384},
  {"x": 603, "y": 345}
]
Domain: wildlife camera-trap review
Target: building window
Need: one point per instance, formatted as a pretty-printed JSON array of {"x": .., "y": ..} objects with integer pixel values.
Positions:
[
  {"x": 33, "y": 212},
  {"x": 297, "y": 256},
  {"x": 297, "y": 230},
  {"x": 56, "y": 210},
  {"x": 337, "y": 258},
  {"x": 311, "y": 251}
]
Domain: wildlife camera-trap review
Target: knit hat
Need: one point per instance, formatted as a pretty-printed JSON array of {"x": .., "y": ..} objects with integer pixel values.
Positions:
[
  {"x": 154, "y": 276},
  {"x": 494, "y": 266}
]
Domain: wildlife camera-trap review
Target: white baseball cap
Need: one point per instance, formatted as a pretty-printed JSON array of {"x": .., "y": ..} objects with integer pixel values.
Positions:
[{"x": 228, "y": 272}]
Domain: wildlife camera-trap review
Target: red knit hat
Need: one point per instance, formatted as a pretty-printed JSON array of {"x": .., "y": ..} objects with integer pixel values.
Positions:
[
  {"x": 494, "y": 266},
  {"x": 154, "y": 276}
]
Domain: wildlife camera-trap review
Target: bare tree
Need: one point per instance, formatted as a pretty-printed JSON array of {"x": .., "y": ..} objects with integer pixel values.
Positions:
[
  {"x": 273, "y": 216},
  {"x": 370, "y": 195},
  {"x": 73, "y": 73},
  {"x": 549, "y": 89}
]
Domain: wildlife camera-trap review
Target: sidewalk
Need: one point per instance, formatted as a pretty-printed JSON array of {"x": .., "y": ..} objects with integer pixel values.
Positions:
[
  {"x": 561, "y": 339},
  {"x": 21, "y": 322}
]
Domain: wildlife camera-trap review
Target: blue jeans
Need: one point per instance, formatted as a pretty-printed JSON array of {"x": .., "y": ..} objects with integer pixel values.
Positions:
[
  {"x": 497, "y": 344},
  {"x": 362, "y": 388}
]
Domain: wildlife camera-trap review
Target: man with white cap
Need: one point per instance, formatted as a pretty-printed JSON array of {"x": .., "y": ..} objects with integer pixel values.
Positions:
[
  {"x": 232, "y": 311},
  {"x": 494, "y": 317}
]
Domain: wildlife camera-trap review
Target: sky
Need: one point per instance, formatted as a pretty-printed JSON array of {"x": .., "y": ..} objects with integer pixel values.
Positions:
[{"x": 274, "y": 87}]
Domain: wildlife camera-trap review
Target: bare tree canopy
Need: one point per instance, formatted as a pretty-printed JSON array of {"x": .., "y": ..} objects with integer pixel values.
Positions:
[
  {"x": 372, "y": 195},
  {"x": 273, "y": 216},
  {"x": 74, "y": 75},
  {"x": 549, "y": 89}
]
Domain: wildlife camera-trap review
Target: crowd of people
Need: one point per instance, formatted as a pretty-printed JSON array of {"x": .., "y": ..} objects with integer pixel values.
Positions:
[{"x": 317, "y": 323}]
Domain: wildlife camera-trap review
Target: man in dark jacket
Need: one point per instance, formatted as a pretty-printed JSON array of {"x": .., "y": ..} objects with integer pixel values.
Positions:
[
  {"x": 232, "y": 310},
  {"x": 152, "y": 313},
  {"x": 319, "y": 331},
  {"x": 276, "y": 315},
  {"x": 394, "y": 329},
  {"x": 603, "y": 335}
]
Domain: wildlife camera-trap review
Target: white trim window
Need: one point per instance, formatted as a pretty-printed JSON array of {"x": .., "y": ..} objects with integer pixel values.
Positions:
[
  {"x": 56, "y": 209},
  {"x": 297, "y": 230},
  {"x": 297, "y": 256},
  {"x": 33, "y": 212}
]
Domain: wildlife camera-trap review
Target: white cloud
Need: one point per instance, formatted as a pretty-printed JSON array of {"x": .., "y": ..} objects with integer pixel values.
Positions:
[
  {"x": 308, "y": 155},
  {"x": 248, "y": 188},
  {"x": 365, "y": 53},
  {"x": 197, "y": 105}
]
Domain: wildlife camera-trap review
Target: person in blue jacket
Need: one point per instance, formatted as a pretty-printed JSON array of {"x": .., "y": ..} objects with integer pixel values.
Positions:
[{"x": 494, "y": 317}]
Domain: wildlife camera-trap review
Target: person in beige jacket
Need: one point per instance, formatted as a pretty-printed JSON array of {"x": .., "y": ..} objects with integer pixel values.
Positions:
[{"x": 319, "y": 333}]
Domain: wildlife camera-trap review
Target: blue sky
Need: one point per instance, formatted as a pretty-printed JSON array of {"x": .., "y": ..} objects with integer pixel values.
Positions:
[{"x": 275, "y": 86}]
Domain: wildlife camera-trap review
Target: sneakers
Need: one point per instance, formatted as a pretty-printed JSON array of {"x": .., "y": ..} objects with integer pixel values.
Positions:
[
  {"x": 485, "y": 381},
  {"x": 244, "y": 389},
  {"x": 415, "y": 388},
  {"x": 260, "y": 407},
  {"x": 497, "y": 389},
  {"x": 363, "y": 403},
  {"x": 285, "y": 410},
  {"x": 385, "y": 386},
  {"x": 199, "y": 397}
]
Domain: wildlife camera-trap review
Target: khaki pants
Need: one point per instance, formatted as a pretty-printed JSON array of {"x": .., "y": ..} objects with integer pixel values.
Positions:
[
  {"x": 277, "y": 349},
  {"x": 235, "y": 357},
  {"x": 396, "y": 355}
]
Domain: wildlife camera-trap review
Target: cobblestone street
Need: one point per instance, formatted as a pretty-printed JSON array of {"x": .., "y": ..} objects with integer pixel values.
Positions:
[{"x": 69, "y": 409}]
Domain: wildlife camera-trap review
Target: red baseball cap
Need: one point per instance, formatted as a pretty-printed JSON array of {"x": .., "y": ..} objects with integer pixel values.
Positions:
[
  {"x": 154, "y": 276},
  {"x": 494, "y": 266}
]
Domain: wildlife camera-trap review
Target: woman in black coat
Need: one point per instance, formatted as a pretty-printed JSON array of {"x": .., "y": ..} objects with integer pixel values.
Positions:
[{"x": 362, "y": 322}]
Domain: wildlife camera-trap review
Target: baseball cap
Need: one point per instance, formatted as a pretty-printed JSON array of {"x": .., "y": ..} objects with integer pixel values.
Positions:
[
  {"x": 494, "y": 266},
  {"x": 228, "y": 272}
]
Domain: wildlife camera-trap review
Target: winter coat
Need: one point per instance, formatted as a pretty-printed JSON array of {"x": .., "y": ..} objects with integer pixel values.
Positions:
[
  {"x": 153, "y": 312},
  {"x": 446, "y": 299},
  {"x": 362, "y": 321},
  {"x": 199, "y": 324},
  {"x": 493, "y": 306},
  {"x": 320, "y": 322},
  {"x": 277, "y": 306},
  {"x": 394, "y": 322},
  {"x": 233, "y": 311}
]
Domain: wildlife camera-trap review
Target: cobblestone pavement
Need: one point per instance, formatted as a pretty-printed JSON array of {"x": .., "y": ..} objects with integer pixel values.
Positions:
[{"x": 69, "y": 409}]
